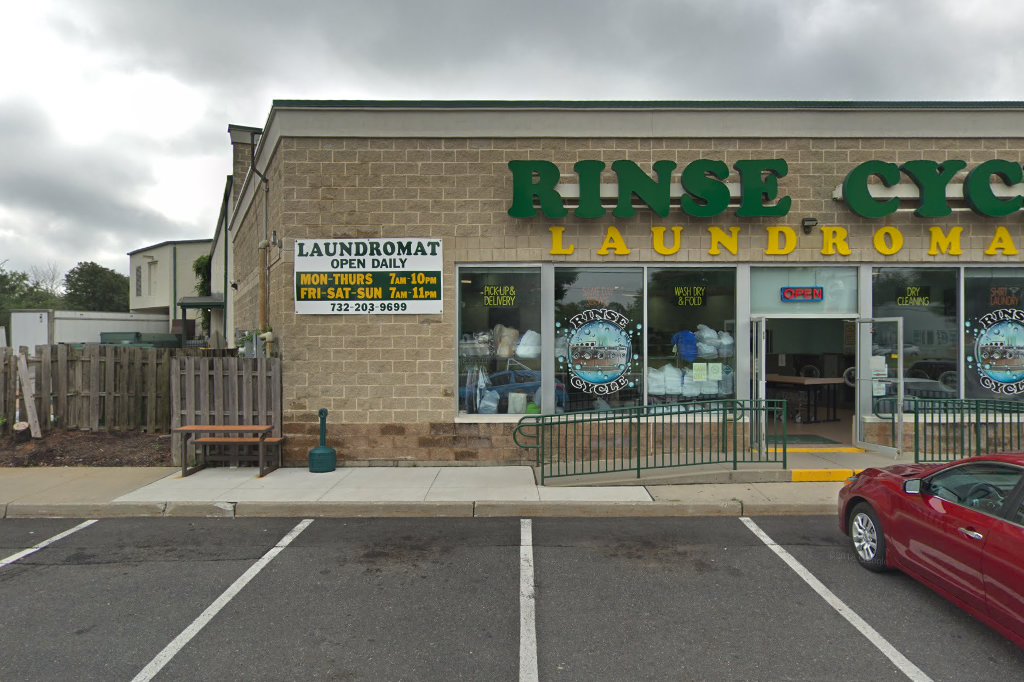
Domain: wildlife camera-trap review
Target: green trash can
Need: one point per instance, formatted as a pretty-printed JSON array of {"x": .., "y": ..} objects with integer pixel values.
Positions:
[{"x": 323, "y": 459}]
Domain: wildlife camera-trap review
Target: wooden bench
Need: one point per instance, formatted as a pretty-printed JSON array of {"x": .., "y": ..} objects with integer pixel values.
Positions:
[{"x": 234, "y": 436}]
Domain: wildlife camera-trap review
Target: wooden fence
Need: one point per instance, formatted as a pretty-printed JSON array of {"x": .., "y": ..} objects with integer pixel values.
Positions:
[
  {"x": 8, "y": 389},
  {"x": 225, "y": 390},
  {"x": 93, "y": 387}
]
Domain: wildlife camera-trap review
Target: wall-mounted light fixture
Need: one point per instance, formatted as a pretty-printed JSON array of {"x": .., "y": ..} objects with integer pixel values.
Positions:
[
  {"x": 808, "y": 224},
  {"x": 234, "y": 285}
]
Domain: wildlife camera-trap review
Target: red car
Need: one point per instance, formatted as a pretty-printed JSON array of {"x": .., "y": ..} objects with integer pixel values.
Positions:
[{"x": 957, "y": 527}]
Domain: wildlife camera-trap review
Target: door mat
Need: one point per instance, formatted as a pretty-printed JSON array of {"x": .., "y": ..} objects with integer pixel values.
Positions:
[{"x": 803, "y": 439}]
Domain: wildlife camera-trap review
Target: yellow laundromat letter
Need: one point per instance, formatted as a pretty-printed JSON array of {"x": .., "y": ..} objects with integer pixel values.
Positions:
[
  {"x": 777, "y": 234},
  {"x": 948, "y": 244},
  {"x": 1002, "y": 241},
  {"x": 658, "y": 236},
  {"x": 557, "y": 249},
  {"x": 731, "y": 242},
  {"x": 613, "y": 241},
  {"x": 888, "y": 241},
  {"x": 834, "y": 241}
]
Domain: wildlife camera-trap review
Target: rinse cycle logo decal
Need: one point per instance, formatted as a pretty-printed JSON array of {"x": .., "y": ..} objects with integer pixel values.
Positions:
[
  {"x": 999, "y": 350},
  {"x": 599, "y": 351}
]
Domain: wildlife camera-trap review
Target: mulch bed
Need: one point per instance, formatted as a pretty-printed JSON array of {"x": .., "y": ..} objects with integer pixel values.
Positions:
[{"x": 87, "y": 448}]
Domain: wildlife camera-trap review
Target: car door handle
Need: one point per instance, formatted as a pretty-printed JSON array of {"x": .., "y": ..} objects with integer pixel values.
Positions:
[{"x": 972, "y": 534}]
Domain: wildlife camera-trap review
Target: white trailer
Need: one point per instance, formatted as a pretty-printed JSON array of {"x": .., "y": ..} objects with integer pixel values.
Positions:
[{"x": 46, "y": 327}]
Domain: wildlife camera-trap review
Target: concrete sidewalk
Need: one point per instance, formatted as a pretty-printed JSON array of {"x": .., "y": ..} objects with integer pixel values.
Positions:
[{"x": 97, "y": 492}]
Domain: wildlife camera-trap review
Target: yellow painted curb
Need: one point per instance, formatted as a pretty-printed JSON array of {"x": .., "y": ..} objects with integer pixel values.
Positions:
[
  {"x": 822, "y": 448},
  {"x": 821, "y": 475}
]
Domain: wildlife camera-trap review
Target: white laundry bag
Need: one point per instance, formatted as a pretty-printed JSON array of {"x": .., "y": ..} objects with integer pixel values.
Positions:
[
  {"x": 726, "y": 345},
  {"x": 529, "y": 345},
  {"x": 691, "y": 388},
  {"x": 655, "y": 381},
  {"x": 673, "y": 379}
]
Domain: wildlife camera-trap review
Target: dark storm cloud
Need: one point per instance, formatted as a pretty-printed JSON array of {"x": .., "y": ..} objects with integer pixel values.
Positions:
[
  {"x": 83, "y": 196},
  {"x": 603, "y": 49},
  {"x": 241, "y": 55}
]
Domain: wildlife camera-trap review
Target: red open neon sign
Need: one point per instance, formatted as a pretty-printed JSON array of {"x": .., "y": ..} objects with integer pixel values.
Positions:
[{"x": 795, "y": 294}]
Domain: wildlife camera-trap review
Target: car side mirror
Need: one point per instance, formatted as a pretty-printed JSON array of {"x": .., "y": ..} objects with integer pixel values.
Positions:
[{"x": 912, "y": 487}]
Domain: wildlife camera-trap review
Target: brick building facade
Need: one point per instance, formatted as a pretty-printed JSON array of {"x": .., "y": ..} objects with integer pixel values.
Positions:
[{"x": 401, "y": 388}]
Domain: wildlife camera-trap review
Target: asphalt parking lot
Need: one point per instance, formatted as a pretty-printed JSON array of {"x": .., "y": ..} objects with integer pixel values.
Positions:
[{"x": 440, "y": 599}]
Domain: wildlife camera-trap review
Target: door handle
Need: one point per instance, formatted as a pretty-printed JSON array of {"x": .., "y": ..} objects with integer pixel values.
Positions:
[{"x": 972, "y": 534}]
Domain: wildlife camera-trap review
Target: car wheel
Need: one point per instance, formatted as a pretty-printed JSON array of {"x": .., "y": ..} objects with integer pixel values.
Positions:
[{"x": 867, "y": 538}]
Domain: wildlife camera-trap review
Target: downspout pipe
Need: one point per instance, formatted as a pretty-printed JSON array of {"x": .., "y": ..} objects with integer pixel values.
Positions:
[
  {"x": 174, "y": 282},
  {"x": 227, "y": 245},
  {"x": 264, "y": 245},
  {"x": 174, "y": 294}
]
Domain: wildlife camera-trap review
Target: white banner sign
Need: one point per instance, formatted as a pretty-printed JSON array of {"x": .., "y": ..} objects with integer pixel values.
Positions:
[{"x": 368, "y": 276}]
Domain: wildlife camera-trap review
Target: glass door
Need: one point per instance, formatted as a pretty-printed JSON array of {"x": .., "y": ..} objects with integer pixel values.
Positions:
[{"x": 879, "y": 384}]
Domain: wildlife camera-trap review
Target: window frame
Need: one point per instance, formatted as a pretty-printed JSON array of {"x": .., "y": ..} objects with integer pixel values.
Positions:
[
  {"x": 547, "y": 270},
  {"x": 922, "y": 364},
  {"x": 727, "y": 267},
  {"x": 642, "y": 270},
  {"x": 982, "y": 270},
  {"x": 454, "y": 380}
]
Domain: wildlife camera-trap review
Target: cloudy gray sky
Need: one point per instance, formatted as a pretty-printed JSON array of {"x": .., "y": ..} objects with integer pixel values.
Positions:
[{"x": 113, "y": 113}]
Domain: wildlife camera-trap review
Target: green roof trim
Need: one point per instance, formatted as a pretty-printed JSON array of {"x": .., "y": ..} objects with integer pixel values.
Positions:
[{"x": 652, "y": 104}]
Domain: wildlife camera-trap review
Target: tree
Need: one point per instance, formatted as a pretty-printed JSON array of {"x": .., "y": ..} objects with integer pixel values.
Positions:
[
  {"x": 36, "y": 296},
  {"x": 201, "y": 268},
  {"x": 90, "y": 286},
  {"x": 13, "y": 286},
  {"x": 44, "y": 288},
  {"x": 47, "y": 278},
  {"x": 18, "y": 290}
]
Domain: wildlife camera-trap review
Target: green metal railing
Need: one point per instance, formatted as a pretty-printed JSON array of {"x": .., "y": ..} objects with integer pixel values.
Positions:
[
  {"x": 885, "y": 410},
  {"x": 947, "y": 429},
  {"x": 631, "y": 439}
]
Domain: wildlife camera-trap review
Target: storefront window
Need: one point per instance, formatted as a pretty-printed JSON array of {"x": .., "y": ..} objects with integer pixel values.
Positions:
[
  {"x": 499, "y": 340},
  {"x": 994, "y": 333},
  {"x": 803, "y": 291},
  {"x": 598, "y": 338},
  {"x": 926, "y": 299},
  {"x": 690, "y": 344}
]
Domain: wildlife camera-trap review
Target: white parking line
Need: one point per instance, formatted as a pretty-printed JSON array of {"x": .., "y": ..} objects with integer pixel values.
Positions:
[
  {"x": 179, "y": 642},
  {"x": 898, "y": 659},
  {"x": 25, "y": 552},
  {"x": 527, "y": 605}
]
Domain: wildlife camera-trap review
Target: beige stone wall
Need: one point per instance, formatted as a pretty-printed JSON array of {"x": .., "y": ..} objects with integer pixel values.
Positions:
[
  {"x": 389, "y": 381},
  {"x": 241, "y": 161},
  {"x": 391, "y": 444},
  {"x": 246, "y": 238}
]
